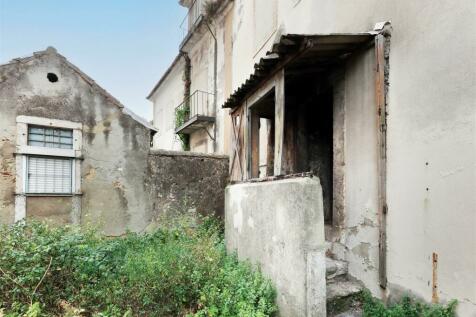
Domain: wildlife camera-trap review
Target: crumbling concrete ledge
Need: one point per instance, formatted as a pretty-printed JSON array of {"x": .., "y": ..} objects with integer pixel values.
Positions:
[{"x": 280, "y": 226}]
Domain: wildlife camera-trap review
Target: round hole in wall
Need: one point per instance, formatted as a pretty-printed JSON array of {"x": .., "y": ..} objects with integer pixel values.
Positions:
[{"x": 52, "y": 77}]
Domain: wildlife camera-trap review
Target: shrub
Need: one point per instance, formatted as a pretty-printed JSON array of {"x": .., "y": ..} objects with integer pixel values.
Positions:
[
  {"x": 181, "y": 269},
  {"x": 407, "y": 307}
]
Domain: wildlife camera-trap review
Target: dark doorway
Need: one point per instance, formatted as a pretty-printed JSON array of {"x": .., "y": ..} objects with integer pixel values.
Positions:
[{"x": 308, "y": 132}]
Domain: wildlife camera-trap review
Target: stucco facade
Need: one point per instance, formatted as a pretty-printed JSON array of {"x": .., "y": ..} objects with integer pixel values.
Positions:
[
  {"x": 170, "y": 94},
  {"x": 430, "y": 178},
  {"x": 117, "y": 184},
  {"x": 114, "y": 145}
]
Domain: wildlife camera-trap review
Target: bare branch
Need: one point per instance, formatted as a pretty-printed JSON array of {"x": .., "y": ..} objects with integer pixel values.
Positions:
[{"x": 39, "y": 283}]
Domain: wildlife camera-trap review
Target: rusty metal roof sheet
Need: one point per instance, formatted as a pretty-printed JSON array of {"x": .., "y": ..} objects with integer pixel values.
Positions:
[{"x": 299, "y": 52}]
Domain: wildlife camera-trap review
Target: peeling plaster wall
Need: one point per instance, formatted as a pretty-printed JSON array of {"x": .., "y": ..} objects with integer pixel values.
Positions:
[
  {"x": 431, "y": 137},
  {"x": 7, "y": 150},
  {"x": 202, "y": 76},
  {"x": 223, "y": 28},
  {"x": 55, "y": 210},
  {"x": 360, "y": 231},
  {"x": 167, "y": 96},
  {"x": 115, "y": 146},
  {"x": 165, "y": 99}
]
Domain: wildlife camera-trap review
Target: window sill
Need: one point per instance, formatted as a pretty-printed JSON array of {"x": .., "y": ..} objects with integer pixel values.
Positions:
[
  {"x": 47, "y": 151},
  {"x": 48, "y": 194}
]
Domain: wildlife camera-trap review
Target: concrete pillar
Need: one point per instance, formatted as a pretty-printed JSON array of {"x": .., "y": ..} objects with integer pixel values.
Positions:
[{"x": 280, "y": 226}]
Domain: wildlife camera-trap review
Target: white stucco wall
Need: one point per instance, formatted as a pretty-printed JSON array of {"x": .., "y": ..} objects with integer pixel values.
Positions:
[
  {"x": 431, "y": 181},
  {"x": 202, "y": 76},
  {"x": 431, "y": 120},
  {"x": 165, "y": 99}
]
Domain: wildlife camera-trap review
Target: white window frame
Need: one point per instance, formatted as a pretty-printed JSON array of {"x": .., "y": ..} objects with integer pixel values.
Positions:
[
  {"x": 23, "y": 151},
  {"x": 28, "y": 189}
]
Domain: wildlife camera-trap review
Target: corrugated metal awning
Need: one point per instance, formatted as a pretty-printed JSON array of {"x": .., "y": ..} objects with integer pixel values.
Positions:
[{"x": 298, "y": 52}]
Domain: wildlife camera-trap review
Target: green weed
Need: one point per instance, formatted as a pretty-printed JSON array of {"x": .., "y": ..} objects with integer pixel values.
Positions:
[
  {"x": 181, "y": 269},
  {"x": 407, "y": 307}
]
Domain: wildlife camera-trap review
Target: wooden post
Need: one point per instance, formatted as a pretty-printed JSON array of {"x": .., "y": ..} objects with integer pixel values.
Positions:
[
  {"x": 279, "y": 123},
  {"x": 434, "y": 286},
  {"x": 380, "y": 97},
  {"x": 254, "y": 144}
]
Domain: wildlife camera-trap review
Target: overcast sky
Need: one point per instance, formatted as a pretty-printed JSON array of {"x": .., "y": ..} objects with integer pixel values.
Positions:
[{"x": 124, "y": 45}]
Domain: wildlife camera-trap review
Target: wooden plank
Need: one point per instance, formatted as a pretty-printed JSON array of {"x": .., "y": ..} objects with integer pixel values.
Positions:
[
  {"x": 270, "y": 150},
  {"x": 254, "y": 144},
  {"x": 434, "y": 286},
  {"x": 263, "y": 90},
  {"x": 279, "y": 123},
  {"x": 380, "y": 97}
]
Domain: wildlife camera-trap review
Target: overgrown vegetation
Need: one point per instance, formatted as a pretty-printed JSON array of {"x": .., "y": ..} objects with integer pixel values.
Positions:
[
  {"x": 211, "y": 8},
  {"x": 179, "y": 270},
  {"x": 184, "y": 141},
  {"x": 407, "y": 307},
  {"x": 182, "y": 114}
]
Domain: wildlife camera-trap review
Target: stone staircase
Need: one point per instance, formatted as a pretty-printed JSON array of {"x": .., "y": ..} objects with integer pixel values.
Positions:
[{"x": 342, "y": 290}]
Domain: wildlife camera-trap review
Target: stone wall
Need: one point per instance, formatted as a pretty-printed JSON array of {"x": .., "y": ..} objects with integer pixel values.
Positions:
[
  {"x": 185, "y": 181},
  {"x": 280, "y": 226}
]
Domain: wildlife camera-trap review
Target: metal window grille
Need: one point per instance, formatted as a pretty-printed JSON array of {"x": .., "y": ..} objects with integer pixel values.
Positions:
[
  {"x": 50, "y": 137},
  {"x": 49, "y": 175}
]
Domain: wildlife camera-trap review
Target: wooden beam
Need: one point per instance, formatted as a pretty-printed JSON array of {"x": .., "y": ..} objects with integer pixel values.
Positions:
[
  {"x": 263, "y": 90},
  {"x": 380, "y": 97},
  {"x": 254, "y": 144},
  {"x": 279, "y": 123}
]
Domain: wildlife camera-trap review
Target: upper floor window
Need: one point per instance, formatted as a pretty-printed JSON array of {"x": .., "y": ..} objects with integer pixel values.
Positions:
[{"x": 50, "y": 137}]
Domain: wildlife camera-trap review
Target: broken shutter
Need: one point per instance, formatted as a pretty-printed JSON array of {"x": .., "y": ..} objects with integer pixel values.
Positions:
[{"x": 236, "y": 166}]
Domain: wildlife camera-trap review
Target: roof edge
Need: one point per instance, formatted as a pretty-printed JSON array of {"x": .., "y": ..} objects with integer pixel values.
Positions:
[
  {"x": 52, "y": 51},
  {"x": 276, "y": 57},
  {"x": 164, "y": 76}
]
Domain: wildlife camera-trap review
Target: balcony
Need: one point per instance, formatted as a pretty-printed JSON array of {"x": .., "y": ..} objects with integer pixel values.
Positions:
[
  {"x": 195, "y": 113},
  {"x": 193, "y": 18}
]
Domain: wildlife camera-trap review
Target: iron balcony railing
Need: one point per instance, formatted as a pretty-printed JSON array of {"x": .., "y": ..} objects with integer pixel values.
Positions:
[
  {"x": 192, "y": 18},
  {"x": 198, "y": 104}
]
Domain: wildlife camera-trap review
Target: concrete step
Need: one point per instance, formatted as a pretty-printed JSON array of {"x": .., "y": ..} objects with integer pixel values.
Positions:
[
  {"x": 357, "y": 312},
  {"x": 343, "y": 299},
  {"x": 335, "y": 268},
  {"x": 342, "y": 287}
]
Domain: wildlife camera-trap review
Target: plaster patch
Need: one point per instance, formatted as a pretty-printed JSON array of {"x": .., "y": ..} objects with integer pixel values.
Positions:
[
  {"x": 238, "y": 220},
  {"x": 281, "y": 218},
  {"x": 452, "y": 172},
  {"x": 362, "y": 250},
  {"x": 90, "y": 174},
  {"x": 251, "y": 222}
]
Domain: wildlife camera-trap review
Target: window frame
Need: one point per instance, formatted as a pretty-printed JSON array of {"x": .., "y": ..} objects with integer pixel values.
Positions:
[
  {"x": 24, "y": 150},
  {"x": 45, "y": 135}
]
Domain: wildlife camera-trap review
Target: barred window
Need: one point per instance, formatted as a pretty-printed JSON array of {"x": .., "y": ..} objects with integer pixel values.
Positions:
[
  {"x": 49, "y": 175},
  {"x": 50, "y": 137}
]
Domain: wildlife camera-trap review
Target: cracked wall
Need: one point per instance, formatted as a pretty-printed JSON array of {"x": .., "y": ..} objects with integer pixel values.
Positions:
[
  {"x": 115, "y": 146},
  {"x": 185, "y": 181}
]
